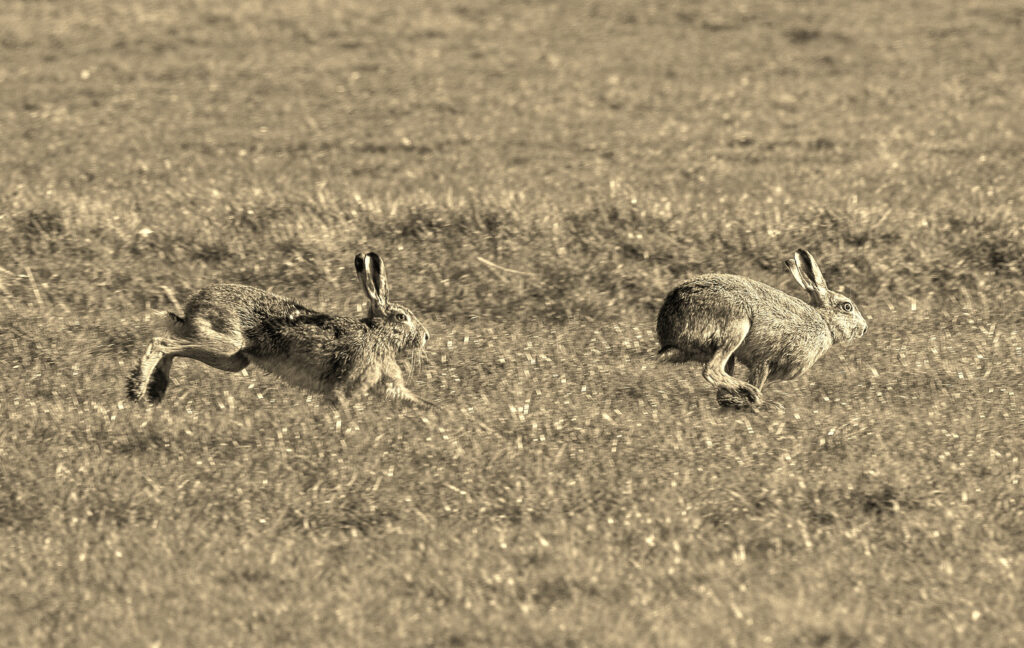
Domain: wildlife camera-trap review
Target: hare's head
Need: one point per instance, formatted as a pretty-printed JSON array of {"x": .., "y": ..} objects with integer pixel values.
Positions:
[
  {"x": 839, "y": 312},
  {"x": 397, "y": 323}
]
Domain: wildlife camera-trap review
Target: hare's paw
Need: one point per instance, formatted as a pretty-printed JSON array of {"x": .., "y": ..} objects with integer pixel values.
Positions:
[
  {"x": 751, "y": 393},
  {"x": 133, "y": 385},
  {"x": 330, "y": 399},
  {"x": 742, "y": 397},
  {"x": 404, "y": 395},
  {"x": 728, "y": 398},
  {"x": 151, "y": 393},
  {"x": 769, "y": 406},
  {"x": 429, "y": 404},
  {"x": 157, "y": 387}
]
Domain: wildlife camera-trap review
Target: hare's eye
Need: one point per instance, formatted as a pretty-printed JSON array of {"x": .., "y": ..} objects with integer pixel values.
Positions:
[
  {"x": 400, "y": 317},
  {"x": 847, "y": 306}
]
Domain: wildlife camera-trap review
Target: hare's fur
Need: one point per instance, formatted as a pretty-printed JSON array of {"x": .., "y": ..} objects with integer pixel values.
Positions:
[
  {"x": 229, "y": 326},
  {"x": 717, "y": 319}
]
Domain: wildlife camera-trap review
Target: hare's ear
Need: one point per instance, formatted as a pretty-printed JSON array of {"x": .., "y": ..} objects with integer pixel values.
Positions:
[
  {"x": 810, "y": 267},
  {"x": 800, "y": 273},
  {"x": 363, "y": 271},
  {"x": 379, "y": 276},
  {"x": 360, "y": 268},
  {"x": 794, "y": 270}
]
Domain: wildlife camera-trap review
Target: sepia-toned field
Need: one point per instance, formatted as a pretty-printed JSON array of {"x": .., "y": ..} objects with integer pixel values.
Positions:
[{"x": 537, "y": 177}]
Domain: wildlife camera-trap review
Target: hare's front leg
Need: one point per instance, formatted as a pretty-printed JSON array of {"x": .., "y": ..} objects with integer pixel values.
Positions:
[
  {"x": 758, "y": 377},
  {"x": 361, "y": 380},
  {"x": 394, "y": 386}
]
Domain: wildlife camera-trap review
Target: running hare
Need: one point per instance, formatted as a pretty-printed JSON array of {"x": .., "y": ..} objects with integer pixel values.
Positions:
[
  {"x": 227, "y": 326},
  {"x": 717, "y": 319}
]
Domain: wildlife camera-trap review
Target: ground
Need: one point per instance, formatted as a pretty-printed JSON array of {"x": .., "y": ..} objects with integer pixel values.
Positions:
[{"x": 537, "y": 176}]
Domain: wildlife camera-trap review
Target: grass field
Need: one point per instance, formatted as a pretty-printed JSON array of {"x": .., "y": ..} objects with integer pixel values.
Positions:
[{"x": 571, "y": 490}]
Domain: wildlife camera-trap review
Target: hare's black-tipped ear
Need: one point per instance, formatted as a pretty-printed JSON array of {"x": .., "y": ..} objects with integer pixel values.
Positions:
[
  {"x": 803, "y": 269},
  {"x": 794, "y": 270},
  {"x": 363, "y": 271},
  {"x": 811, "y": 269},
  {"x": 379, "y": 276}
]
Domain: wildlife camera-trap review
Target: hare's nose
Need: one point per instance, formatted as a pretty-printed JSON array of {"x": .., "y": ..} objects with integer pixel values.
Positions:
[{"x": 426, "y": 335}]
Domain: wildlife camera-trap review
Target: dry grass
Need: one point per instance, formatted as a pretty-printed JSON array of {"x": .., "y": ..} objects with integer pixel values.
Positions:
[{"x": 572, "y": 491}]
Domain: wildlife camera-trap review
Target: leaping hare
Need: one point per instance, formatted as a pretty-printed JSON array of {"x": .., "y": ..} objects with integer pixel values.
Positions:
[
  {"x": 227, "y": 326},
  {"x": 717, "y": 319}
]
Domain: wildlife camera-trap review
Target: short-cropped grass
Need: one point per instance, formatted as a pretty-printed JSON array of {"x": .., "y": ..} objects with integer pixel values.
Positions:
[{"x": 537, "y": 177}]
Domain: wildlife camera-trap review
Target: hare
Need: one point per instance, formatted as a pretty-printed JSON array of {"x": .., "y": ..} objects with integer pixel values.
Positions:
[
  {"x": 717, "y": 319},
  {"x": 227, "y": 326}
]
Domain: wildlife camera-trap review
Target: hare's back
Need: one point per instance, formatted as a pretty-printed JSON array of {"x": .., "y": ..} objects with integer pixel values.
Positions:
[
  {"x": 708, "y": 302},
  {"x": 770, "y": 310},
  {"x": 237, "y": 306},
  {"x": 723, "y": 294}
]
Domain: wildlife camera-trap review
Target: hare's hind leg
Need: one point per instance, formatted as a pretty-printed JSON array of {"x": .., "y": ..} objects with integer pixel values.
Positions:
[
  {"x": 725, "y": 397},
  {"x": 218, "y": 358},
  {"x": 718, "y": 369},
  {"x": 151, "y": 376},
  {"x": 219, "y": 350}
]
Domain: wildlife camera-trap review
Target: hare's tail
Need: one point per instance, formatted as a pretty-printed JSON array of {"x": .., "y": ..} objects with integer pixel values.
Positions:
[{"x": 669, "y": 353}]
